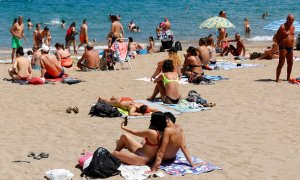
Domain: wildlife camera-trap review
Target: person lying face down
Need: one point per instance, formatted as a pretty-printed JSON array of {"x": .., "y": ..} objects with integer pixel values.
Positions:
[
  {"x": 128, "y": 104},
  {"x": 173, "y": 139},
  {"x": 141, "y": 154}
]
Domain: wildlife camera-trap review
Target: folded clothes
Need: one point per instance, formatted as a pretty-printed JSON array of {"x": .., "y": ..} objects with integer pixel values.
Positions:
[{"x": 181, "y": 166}]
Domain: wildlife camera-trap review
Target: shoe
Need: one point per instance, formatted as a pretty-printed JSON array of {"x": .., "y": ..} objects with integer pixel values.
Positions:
[
  {"x": 69, "y": 110},
  {"x": 76, "y": 110}
]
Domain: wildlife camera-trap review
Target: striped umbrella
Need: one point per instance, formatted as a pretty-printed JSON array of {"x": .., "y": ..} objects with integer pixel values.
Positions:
[
  {"x": 274, "y": 26},
  {"x": 215, "y": 23}
]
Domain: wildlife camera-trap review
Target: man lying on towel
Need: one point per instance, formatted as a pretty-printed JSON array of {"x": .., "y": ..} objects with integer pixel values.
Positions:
[
  {"x": 127, "y": 103},
  {"x": 50, "y": 66},
  {"x": 173, "y": 140}
]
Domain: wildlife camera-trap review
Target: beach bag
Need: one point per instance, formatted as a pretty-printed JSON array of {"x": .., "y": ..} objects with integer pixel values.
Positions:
[
  {"x": 102, "y": 109},
  {"x": 194, "y": 96},
  {"x": 178, "y": 46},
  {"x": 103, "y": 165}
]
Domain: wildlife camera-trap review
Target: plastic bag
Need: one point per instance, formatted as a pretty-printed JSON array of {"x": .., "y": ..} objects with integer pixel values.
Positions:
[{"x": 59, "y": 174}]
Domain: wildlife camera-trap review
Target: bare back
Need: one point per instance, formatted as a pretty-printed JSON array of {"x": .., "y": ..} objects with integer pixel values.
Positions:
[
  {"x": 23, "y": 66},
  {"x": 117, "y": 29},
  {"x": 51, "y": 64},
  {"x": 91, "y": 59},
  {"x": 175, "y": 141},
  {"x": 83, "y": 29},
  {"x": 204, "y": 55}
]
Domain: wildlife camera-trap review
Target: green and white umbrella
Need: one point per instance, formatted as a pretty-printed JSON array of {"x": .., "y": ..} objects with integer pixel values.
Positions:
[{"x": 215, "y": 23}]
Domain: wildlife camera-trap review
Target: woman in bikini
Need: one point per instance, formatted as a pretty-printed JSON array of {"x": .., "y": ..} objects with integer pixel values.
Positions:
[
  {"x": 167, "y": 84},
  {"x": 173, "y": 55},
  {"x": 192, "y": 64},
  {"x": 141, "y": 154},
  {"x": 63, "y": 56}
]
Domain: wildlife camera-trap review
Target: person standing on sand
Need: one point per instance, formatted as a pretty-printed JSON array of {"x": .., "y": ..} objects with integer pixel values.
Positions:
[
  {"x": 222, "y": 33},
  {"x": 17, "y": 31},
  {"x": 285, "y": 40},
  {"x": 116, "y": 28},
  {"x": 83, "y": 36}
]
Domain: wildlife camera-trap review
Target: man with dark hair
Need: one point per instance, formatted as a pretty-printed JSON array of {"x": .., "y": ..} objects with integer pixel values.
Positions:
[
  {"x": 90, "y": 59},
  {"x": 116, "y": 28},
  {"x": 203, "y": 52},
  {"x": 83, "y": 35},
  {"x": 173, "y": 140},
  {"x": 17, "y": 31},
  {"x": 127, "y": 103},
  {"x": 239, "y": 47}
]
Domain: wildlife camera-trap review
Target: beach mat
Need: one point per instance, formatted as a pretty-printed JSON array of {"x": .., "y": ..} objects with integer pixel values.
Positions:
[
  {"x": 159, "y": 106},
  {"x": 147, "y": 79},
  {"x": 184, "y": 106},
  {"x": 5, "y": 61},
  {"x": 181, "y": 166},
  {"x": 231, "y": 65}
]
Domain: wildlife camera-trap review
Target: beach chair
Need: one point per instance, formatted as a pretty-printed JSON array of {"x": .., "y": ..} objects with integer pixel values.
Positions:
[{"x": 119, "y": 51}]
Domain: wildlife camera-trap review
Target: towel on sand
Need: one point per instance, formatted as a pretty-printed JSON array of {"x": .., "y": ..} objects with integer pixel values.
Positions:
[
  {"x": 181, "y": 166},
  {"x": 231, "y": 65},
  {"x": 185, "y": 106},
  {"x": 130, "y": 172}
]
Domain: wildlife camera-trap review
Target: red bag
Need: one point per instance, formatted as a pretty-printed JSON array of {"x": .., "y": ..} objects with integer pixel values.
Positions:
[{"x": 36, "y": 81}]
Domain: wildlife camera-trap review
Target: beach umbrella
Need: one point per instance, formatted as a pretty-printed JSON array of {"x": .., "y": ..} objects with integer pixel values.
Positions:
[
  {"x": 274, "y": 26},
  {"x": 215, "y": 23}
]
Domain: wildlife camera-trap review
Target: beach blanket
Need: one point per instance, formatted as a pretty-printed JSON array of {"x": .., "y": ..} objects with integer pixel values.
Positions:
[
  {"x": 185, "y": 106},
  {"x": 159, "y": 106},
  {"x": 130, "y": 172},
  {"x": 181, "y": 166},
  {"x": 5, "y": 61},
  {"x": 147, "y": 79},
  {"x": 231, "y": 65},
  {"x": 215, "y": 78}
]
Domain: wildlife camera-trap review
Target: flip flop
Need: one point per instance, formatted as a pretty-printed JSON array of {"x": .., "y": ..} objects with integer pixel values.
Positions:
[
  {"x": 69, "y": 110},
  {"x": 209, "y": 104},
  {"x": 31, "y": 154},
  {"x": 76, "y": 110},
  {"x": 43, "y": 155}
]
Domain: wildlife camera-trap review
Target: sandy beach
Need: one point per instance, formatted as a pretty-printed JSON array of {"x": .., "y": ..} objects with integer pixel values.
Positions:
[{"x": 252, "y": 133}]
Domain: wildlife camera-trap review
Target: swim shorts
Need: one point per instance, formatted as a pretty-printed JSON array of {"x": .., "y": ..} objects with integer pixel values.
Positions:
[
  {"x": 84, "y": 39},
  {"x": 15, "y": 42}
]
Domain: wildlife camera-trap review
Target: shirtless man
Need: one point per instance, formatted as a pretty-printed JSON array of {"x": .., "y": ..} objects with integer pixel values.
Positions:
[
  {"x": 35, "y": 59},
  {"x": 50, "y": 67},
  {"x": 116, "y": 29},
  {"x": 89, "y": 60},
  {"x": 46, "y": 36},
  {"x": 83, "y": 36},
  {"x": 37, "y": 36},
  {"x": 239, "y": 47},
  {"x": 29, "y": 24},
  {"x": 203, "y": 52},
  {"x": 173, "y": 140},
  {"x": 167, "y": 25},
  {"x": 17, "y": 31},
  {"x": 21, "y": 69},
  {"x": 285, "y": 40},
  {"x": 127, "y": 103},
  {"x": 222, "y": 33}
]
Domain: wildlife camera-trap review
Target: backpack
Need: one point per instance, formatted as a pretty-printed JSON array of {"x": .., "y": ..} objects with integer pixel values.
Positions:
[
  {"x": 102, "y": 109},
  {"x": 178, "y": 46},
  {"x": 103, "y": 165}
]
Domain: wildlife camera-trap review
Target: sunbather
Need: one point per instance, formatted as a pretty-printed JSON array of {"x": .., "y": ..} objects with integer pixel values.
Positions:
[
  {"x": 21, "y": 69},
  {"x": 141, "y": 154},
  {"x": 173, "y": 140},
  {"x": 173, "y": 55},
  {"x": 167, "y": 84},
  {"x": 128, "y": 104},
  {"x": 192, "y": 64}
]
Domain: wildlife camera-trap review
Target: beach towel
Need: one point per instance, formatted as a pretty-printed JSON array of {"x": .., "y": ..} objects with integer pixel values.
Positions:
[
  {"x": 159, "y": 106},
  {"x": 130, "y": 172},
  {"x": 181, "y": 166},
  {"x": 215, "y": 78},
  {"x": 185, "y": 106},
  {"x": 5, "y": 61},
  {"x": 231, "y": 65},
  {"x": 181, "y": 81}
]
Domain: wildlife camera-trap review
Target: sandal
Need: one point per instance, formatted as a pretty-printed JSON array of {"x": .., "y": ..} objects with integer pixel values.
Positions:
[
  {"x": 43, "y": 155},
  {"x": 69, "y": 110},
  {"x": 76, "y": 110},
  {"x": 209, "y": 105},
  {"x": 31, "y": 154}
]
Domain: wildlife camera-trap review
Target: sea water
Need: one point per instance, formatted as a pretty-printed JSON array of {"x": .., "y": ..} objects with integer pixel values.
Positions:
[{"x": 185, "y": 16}]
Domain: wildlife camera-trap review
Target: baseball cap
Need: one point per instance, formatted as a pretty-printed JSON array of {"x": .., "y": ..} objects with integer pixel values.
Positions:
[{"x": 45, "y": 48}]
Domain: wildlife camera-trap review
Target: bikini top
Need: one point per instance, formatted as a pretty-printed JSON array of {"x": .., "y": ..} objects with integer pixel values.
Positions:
[
  {"x": 150, "y": 144},
  {"x": 166, "y": 80}
]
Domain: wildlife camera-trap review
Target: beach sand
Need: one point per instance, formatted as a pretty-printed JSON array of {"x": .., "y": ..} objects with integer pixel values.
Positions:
[{"x": 252, "y": 133}]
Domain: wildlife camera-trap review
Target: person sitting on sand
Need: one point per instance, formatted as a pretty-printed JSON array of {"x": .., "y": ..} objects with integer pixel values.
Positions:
[
  {"x": 203, "y": 53},
  {"x": 239, "y": 47},
  {"x": 21, "y": 69},
  {"x": 141, "y": 154},
  {"x": 173, "y": 139},
  {"x": 151, "y": 46},
  {"x": 35, "y": 59},
  {"x": 50, "y": 67},
  {"x": 133, "y": 47},
  {"x": 212, "y": 50},
  {"x": 192, "y": 65},
  {"x": 128, "y": 104},
  {"x": 173, "y": 55},
  {"x": 271, "y": 52},
  {"x": 89, "y": 60},
  {"x": 167, "y": 84},
  {"x": 63, "y": 55}
]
